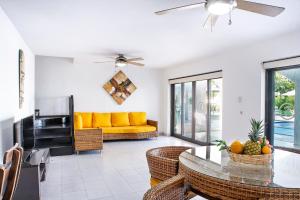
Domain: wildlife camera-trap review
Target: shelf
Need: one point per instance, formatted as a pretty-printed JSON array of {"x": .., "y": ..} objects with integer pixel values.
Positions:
[
  {"x": 40, "y": 146},
  {"x": 53, "y": 142},
  {"x": 54, "y": 132},
  {"x": 62, "y": 126},
  {"x": 51, "y": 116},
  {"x": 49, "y": 136}
]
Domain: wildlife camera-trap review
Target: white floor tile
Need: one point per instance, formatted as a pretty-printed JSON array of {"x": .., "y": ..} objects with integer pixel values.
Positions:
[{"x": 120, "y": 172}]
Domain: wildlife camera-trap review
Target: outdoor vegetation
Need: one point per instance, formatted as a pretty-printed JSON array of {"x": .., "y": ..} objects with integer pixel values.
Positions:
[{"x": 284, "y": 98}]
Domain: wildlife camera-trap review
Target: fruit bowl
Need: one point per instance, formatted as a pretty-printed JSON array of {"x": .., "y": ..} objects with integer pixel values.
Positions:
[{"x": 263, "y": 159}]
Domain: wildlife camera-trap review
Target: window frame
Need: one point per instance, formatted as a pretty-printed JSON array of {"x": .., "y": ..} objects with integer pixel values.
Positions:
[{"x": 269, "y": 104}]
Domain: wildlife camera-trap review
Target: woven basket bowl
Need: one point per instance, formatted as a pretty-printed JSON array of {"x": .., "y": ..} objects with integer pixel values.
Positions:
[{"x": 263, "y": 159}]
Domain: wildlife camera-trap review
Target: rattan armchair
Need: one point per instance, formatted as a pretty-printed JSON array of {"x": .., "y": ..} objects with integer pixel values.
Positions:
[
  {"x": 171, "y": 189},
  {"x": 163, "y": 162}
]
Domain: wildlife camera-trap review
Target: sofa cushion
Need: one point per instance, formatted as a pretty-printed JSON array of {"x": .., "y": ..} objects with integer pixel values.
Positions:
[
  {"x": 137, "y": 118},
  {"x": 120, "y": 119},
  {"x": 77, "y": 121},
  {"x": 101, "y": 120},
  {"x": 87, "y": 119},
  {"x": 129, "y": 129},
  {"x": 154, "y": 182}
]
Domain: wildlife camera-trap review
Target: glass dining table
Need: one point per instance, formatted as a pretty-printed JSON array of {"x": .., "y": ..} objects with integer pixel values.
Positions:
[{"x": 211, "y": 173}]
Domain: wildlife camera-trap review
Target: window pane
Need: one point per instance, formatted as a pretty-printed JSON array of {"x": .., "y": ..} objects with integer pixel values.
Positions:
[
  {"x": 187, "y": 109},
  {"x": 215, "y": 109},
  {"x": 177, "y": 109},
  {"x": 287, "y": 114},
  {"x": 201, "y": 111}
]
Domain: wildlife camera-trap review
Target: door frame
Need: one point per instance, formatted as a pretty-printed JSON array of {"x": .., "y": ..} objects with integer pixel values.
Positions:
[
  {"x": 208, "y": 114},
  {"x": 269, "y": 105}
]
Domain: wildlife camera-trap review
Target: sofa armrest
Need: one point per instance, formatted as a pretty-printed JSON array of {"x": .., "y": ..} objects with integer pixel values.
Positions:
[
  {"x": 88, "y": 139},
  {"x": 153, "y": 123}
]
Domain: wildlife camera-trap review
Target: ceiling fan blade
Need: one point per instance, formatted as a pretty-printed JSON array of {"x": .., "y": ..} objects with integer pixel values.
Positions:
[
  {"x": 135, "y": 59},
  {"x": 137, "y": 64},
  {"x": 263, "y": 9},
  {"x": 210, "y": 21},
  {"x": 104, "y": 61},
  {"x": 186, "y": 7}
]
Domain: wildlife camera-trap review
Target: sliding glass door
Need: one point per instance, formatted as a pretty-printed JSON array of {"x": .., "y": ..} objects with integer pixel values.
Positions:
[
  {"x": 177, "y": 109},
  {"x": 215, "y": 110},
  {"x": 283, "y": 107},
  {"x": 201, "y": 111},
  {"x": 196, "y": 113},
  {"x": 187, "y": 109}
]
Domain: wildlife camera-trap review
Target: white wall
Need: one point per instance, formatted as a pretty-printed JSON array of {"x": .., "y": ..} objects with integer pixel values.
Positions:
[
  {"x": 242, "y": 76},
  {"x": 10, "y": 43},
  {"x": 57, "y": 77}
]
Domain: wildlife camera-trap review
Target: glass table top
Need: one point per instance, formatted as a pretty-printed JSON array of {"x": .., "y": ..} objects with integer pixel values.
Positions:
[{"x": 284, "y": 171}]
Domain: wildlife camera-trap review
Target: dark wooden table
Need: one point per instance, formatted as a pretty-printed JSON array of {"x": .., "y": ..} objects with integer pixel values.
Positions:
[{"x": 34, "y": 168}]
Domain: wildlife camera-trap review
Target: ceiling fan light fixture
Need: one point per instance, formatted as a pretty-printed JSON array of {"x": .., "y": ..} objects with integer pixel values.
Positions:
[
  {"x": 220, "y": 7},
  {"x": 121, "y": 63}
]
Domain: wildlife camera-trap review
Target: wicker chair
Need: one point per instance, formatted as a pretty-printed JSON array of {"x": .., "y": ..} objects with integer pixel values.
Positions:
[
  {"x": 163, "y": 162},
  {"x": 171, "y": 189},
  {"x": 10, "y": 172}
]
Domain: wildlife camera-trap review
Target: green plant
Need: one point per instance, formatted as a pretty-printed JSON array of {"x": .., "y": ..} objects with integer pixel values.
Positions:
[
  {"x": 222, "y": 145},
  {"x": 283, "y": 84},
  {"x": 263, "y": 142}
]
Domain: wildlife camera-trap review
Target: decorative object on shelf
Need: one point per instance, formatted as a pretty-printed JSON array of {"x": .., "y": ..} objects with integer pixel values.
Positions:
[
  {"x": 119, "y": 87},
  {"x": 21, "y": 78},
  {"x": 37, "y": 113},
  {"x": 257, "y": 150}
]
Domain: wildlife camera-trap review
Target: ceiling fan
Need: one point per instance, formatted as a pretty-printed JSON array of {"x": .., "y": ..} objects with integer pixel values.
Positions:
[
  {"x": 217, "y": 8},
  {"x": 122, "y": 61}
]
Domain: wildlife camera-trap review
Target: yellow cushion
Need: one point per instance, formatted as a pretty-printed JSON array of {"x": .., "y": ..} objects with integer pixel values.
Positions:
[
  {"x": 101, "y": 120},
  {"x": 129, "y": 129},
  {"x": 77, "y": 121},
  {"x": 154, "y": 182},
  {"x": 87, "y": 119},
  {"x": 137, "y": 118},
  {"x": 120, "y": 119}
]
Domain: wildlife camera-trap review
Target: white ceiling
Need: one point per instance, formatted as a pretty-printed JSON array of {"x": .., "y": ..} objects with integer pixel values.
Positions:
[{"x": 84, "y": 28}]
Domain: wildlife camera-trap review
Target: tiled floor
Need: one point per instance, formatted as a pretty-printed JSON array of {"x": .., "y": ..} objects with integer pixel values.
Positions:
[{"x": 120, "y": 172}]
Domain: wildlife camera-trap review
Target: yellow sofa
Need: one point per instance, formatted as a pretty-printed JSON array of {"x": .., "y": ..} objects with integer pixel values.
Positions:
[{"x": 117, "y": 125}]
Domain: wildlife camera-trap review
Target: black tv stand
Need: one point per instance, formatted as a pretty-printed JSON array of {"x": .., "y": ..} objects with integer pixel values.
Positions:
[{"x": 34, "y": 169}]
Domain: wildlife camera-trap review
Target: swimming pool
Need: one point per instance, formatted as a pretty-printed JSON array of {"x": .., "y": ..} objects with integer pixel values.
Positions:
[{"x": 284, "y": 128}]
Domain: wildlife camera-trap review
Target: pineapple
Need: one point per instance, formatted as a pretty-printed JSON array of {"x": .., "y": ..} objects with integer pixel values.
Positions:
[{"x": 252, "y": 146}]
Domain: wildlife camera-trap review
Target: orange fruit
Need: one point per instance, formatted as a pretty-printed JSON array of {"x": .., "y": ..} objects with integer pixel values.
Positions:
[
  {"x": 237, "y": 147},
  {"x": 266, "y": 150}
]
